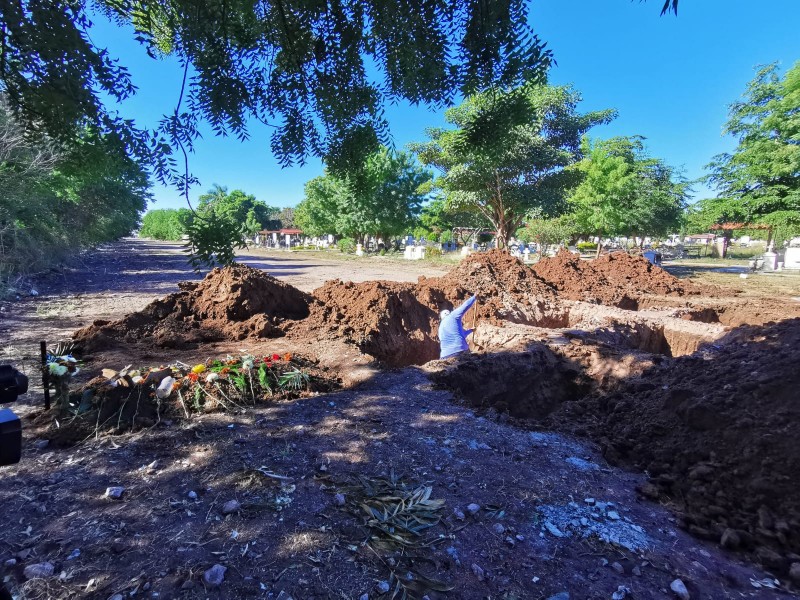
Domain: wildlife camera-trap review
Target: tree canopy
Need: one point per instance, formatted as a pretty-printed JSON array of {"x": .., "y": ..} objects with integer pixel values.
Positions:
[
  {"x": 624, "y": 191},
  {"x": 761, "y": 177},
  {"x": 165, "y": 223},
  {"x": 384, "y": 203},
  {"x": 508, "y": 152}
]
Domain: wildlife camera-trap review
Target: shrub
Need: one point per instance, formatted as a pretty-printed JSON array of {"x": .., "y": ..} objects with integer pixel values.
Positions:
[
  {"x": 586, "y": 246},
  {"x": 346, "y": 245},
  {"x": 433, "y": 252}
]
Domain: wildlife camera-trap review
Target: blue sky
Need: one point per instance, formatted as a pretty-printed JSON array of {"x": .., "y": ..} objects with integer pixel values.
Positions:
[{"x": 671, "y": 79}]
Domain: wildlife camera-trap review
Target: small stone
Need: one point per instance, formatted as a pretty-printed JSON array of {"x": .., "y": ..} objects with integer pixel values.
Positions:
[
  {"x": 794, "y": 572},
  {"x": 115, "y": 493},
  {"x": 589, "y": 501},
  {"x": 39, "y": 570},
  {"x": 679, "y": 589},
  {"x": 473, "y": 508},
  {"x": 520, "y": 537},
  {"x": 478, "y": 572},
  {"x": 116, "y": 597},
  {"x": 636, "y": 571},
  {"x": 74, "y": 554},
  {"x": 730, "y": 540},
  {"x": 382, "y": 587},
  {"x": 146, "y": 587},
  {"x": 323, "y": 467},
  {"x": 621, "y": 593},
  {"x": 192, "y": 495},
  {"x": 458, "y": 513},
  {"x": 188, "y": 585},
  {"x": 231, "y": 506},
  {"x": 498, "y": 529},
  {"x": 42, "y": 444},
  {"x": 284, "y": 595},
  {"x": 618, "y": 568},
  {"x": 770, "y": 558},
  {"x": 613, "y": 515},
  {"x": 339, "y": 499},
  {"x": 553, "y": 529},
  {"x": 364, "y": 597},
  {"x": 10, "y": 562},
  {"x": 152, "y": 466},
  {"x": 559, "y": 596},
  {"x": 215, "y": 576}
]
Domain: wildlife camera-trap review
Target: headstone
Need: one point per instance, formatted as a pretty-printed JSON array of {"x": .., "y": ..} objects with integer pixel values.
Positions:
[
  {"x": 419, "y": 252},
  {"x": 770, "y": 261},
  {"x": 408, "y": 253},
  {"x": 359, "y": 250}
]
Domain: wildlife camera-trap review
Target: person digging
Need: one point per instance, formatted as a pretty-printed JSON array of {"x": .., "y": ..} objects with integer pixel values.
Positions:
[{"x": 452, "y": 335}]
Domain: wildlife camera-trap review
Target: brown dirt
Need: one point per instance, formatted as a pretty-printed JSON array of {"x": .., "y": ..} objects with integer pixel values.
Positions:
[
  {"x": 231, "y": 303},
  {"x": 616, "y": 279},
  {"x": 719, "y": 434},
  {"x": 398, "y": 322}
]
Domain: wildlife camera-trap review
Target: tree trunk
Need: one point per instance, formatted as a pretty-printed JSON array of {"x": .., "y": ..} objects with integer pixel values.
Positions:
[{"x": 599, "y": 245}]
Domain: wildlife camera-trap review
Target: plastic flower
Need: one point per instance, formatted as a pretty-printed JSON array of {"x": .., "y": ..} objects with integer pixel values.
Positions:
[
  {"x": 57, "y": 369},
  {"x": 276, "y": 357},
  {"x": 197, "y": 369},
  {"x": 212, "y": 376},
  {"x": 247, "y": 364},
  {"x": 225, "y": 370},
  {"x": 193, "y": 377},
  {"x": 287, "y": 357}
]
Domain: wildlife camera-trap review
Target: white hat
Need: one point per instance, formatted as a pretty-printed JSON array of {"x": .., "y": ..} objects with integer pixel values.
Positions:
[{"x": 444, "y": 313}]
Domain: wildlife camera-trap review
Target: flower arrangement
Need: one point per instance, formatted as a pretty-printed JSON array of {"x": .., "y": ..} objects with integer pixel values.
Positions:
[{"x": 230, "y": 383}]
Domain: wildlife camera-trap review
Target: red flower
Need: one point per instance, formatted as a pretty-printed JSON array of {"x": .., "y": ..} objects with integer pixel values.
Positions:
[
  {"x": 287, "y": 357},
  {"x": 192, "y": 376},
  {"x": 276, "y": 357}
]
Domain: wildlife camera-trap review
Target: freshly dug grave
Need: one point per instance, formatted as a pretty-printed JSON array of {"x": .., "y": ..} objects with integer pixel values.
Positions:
[
  {"x": 398, "y": 322},
  {"x": 719, "y": 434},
  {"x": 231, "y": 303},
  {"x": 617, "y": 279},
  {"x": 525, "y": 382}
]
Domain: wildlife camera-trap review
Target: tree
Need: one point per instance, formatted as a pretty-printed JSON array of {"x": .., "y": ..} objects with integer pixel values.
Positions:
[
  {"x": 165, "y": 223},
  {"x": 547, "y": 232},
  {"x": 56, "y": 199},
  {"x": 437, "y": 222},
  {"x": 762, "y": 175},
  {"x": 299, "y": 66},
  {"x": 624, "y": 191},
  {"x": 383, "y": 203},
  {"x": 234, "y": 207},
  {"x": 509, "y": 151}
]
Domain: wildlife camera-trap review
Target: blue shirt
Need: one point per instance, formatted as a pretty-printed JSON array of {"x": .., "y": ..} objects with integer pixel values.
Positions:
[{"x": 452, "y": 335}]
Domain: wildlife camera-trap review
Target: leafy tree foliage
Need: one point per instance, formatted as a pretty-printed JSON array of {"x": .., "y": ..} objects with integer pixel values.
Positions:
[
  {"x": 761, "y": 177},
  {"x": 548, "y": 232},
  {"x": 56, "y": 199},
  {"x": 298, "y": 65},
  {"x": 165, "y": 223},
  {"x": 509, "y": 151},
  {"x": 625, "y": 192},
  {"x": 384, "y": 203},
  {"x": 437, "y": 222},
  {"x": 234, "y": 207}
]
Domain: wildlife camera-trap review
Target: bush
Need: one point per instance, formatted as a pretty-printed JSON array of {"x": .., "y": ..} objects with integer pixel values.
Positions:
[
  {"x": 382, "y": 252},
  {"x": 433, "y": 252},
  {"x": 346, "y": 245},
  {"x": 586, "y": 246}
]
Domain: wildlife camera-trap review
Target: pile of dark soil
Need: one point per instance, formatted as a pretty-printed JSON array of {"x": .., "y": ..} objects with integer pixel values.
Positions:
[
  {"x": 231, "y": 303},
  {"x": 398, "y": 322},
  {"x": 617, "y": 279},
  {"x": 719, "y": 434}
]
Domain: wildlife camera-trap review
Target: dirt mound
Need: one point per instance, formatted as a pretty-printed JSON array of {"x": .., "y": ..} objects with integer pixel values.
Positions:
[
  {"x": 719, "y": 434},
  {"x": 617, "y": 279},
  {"x": 231, "y": 303},
  {"x": 398, "y": 322}
]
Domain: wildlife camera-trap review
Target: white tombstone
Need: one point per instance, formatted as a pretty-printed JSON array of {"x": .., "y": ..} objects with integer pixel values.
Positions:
[
  {"x": 526, "y": 254},
  {"x": 274, "y": 239},
  {"x": 791, "y": 259},
  {"x": 465, "y": 251},
  {"x": 419, "y": 252},
  {"x": 408, "y": 253},
  {"x": 359, "y": 250}
]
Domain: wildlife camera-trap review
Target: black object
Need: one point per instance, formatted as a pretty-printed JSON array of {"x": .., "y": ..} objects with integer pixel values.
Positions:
[{"x": 12, "y": 384}]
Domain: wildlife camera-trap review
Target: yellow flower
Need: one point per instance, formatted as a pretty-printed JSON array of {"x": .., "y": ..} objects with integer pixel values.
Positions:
[{"x": 198, "y": 369}]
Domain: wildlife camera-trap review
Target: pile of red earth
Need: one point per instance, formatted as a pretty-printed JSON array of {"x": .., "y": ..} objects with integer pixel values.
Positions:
[
  {"x": 229, "y": 304},
  {"x": 616, "y": 279},
  {"x": 398, "y": 322},
  {"x": 719, "y": 434}
]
